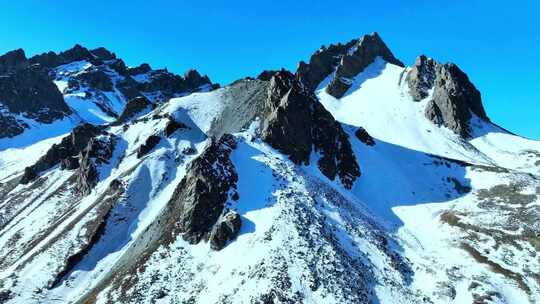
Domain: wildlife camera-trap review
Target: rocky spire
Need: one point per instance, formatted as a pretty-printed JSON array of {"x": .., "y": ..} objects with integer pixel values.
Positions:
[
  {"x": 346, "y": 60},
  {"x": 454, "y": 97}
]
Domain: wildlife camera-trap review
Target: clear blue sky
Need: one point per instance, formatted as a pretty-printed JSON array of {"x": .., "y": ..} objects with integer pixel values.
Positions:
[{"x": 496, "y": 42}]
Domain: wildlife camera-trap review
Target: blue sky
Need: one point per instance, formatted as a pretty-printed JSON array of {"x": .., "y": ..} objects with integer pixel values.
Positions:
[{"x": 496, "y": 43}]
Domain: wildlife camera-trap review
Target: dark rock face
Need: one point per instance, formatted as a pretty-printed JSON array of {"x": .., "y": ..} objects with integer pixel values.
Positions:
[
  {"x": 141, "y": 69},
  {"x": 97, "y": 152},
  {"x": 226, "y": 229},
  {"x": 356, "y": 60},
  {"x": 172, "y": 125},
  {"x": 10, "y": 126},
  {"x": 103, "y": 53},
  {"x": 69, "y": 163},
  {"x": 30, "y": 91},
  {"x": 194, "y": 80},
  {"x": 321, "y": 64},
  {"x": 96, "y": 78},
  {"x": 199, "y": 199},
  {"x": 12, "y": 60},
  {"x": 347, "y": 60},
  {"x": 128, "y": 87},
  {"x": 454, "y": 96},
  {"x": 77, "y": 53},
  {"x": 297, "y": 124},
  {"x": 364, "y": 136},
  {"x": 134, "y": 107},
  {"x": 266, "y": 75},
  {"x": 151, "y": 142},
  {"x": 70, "y": 146},
  {"x": 421, "y": 77}
]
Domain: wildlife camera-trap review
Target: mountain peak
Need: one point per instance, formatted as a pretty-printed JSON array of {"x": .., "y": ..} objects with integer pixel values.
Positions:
[{"x": 345, "y": 60}]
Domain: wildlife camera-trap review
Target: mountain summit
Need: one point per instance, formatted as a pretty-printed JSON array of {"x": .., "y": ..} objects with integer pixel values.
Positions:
[{"x": 354, "y": 179}]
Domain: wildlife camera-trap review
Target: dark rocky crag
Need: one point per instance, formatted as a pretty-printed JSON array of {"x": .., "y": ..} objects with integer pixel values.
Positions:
[
  {"x": 198, "y": 203},
  {"x": 134, "y": 107},
  {"x": 454, "y": 98},
  {"x": 69, "y": 147},
  {"x": 346, "y": 60},
  {"x": 99, "y": 151},
  {"x": 26, "y": 90},
  {"x": 297, "y": 124}
]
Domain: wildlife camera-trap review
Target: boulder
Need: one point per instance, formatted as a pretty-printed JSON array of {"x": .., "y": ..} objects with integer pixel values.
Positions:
[
  {"x": 364, "y": 136},
  {"x": 226, "y": 229}
]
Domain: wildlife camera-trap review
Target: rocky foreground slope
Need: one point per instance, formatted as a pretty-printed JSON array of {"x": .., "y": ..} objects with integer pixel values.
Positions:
[{"x": 354, "y": 179}]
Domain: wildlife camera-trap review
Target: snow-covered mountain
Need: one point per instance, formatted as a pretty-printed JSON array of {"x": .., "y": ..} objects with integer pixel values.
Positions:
[{"x": 354, "y": 179}]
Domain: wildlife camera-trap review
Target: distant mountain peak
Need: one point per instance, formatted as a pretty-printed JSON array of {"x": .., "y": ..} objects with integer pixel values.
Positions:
[{"x": 345, "y": 61}]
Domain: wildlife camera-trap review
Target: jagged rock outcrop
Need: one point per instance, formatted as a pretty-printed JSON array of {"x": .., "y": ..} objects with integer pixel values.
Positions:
[
  {"x": 98, "y": 152},
  {"x": 321, "y": 64},
  {"x": 29, "y": 92},
  {"x": 134, "y": 107},
  {"x": 12, "y": 60},
  {"x": 364, "y": 136},
  {"x": 151, "y": 142},
  {"x": 10, "y": 126},
  {"x": 141, "y": 69},
  {"x": 226, "y": 229},
  {"x": 297, "y": 125},
  {"x": 454, "y": 96},
  {"x": 103, "y": 53},
  {"x": 421, "y": 77},
  {"x": 362, "y": 54},
  {"x": 96, "y": 79},
  {"x": 194, "y": 80},
  {"x": 70, "y": 146},
  {"x": 76, "y": 53},
  {"x": 199, "y": 199},
  {"x": 346, "y": 60},
  {"x": 173, "y": 125}
]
